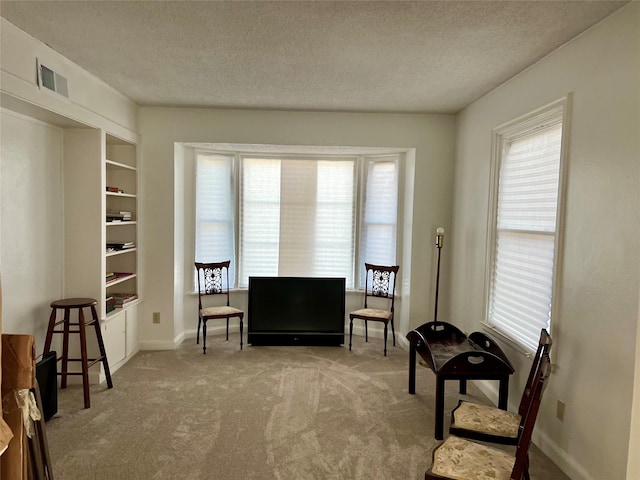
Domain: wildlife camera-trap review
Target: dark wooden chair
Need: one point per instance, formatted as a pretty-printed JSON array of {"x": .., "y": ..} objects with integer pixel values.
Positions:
[
  {"x": 490, "y": 424},
  {"x": 211, "y": 278},
  {"x": 462, "y": 459},
  {"x": 379, "y": 283}
]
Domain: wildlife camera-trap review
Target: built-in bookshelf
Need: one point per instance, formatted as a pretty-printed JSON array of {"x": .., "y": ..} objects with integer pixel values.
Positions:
[
  {"x": 120, "y": 215},
  {"x": 120, "y": 248}
]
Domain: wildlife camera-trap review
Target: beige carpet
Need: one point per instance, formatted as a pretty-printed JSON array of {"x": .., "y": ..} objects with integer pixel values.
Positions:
[{"x": 264, "y": 412}]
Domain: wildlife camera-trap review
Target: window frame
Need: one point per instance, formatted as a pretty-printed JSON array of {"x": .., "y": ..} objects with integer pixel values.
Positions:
[
  {"x": 361, "y": 159},
  {"x": 507, "y": 132}
]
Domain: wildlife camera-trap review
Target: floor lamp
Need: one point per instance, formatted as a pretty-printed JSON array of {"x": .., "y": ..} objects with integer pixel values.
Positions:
[{"x": 439, "y": 244}]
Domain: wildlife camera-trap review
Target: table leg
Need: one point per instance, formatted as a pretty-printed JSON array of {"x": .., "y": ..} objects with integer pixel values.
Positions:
[
  {"x": 503, "y": 393},
  {"x": 439, "y": 430},
  {"x": 412, "y": 370},
  {"x": 463, "y": 386}
]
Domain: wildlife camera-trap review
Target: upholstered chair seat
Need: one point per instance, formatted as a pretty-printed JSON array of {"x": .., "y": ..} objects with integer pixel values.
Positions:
[
  {"x": 372, "y": 313},
  {"x": 461, "y": 459},
  {"x": 222, "y": 311},
  {"x": 487, "y": 419}
]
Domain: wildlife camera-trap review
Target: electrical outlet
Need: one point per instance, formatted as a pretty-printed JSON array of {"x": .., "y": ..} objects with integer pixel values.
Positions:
[
  {"x": 156, "y": 317},
  {"x": 560, "y": 410}
]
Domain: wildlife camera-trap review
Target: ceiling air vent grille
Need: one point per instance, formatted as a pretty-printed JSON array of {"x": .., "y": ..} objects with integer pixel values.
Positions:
[{"x": 51, "y": 80}]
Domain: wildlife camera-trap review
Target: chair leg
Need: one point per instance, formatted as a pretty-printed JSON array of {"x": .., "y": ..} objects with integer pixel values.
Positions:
[
  {"x": 385, "y": 339},
  {"x": 198, "y": 334},
  {"x": 393, "y": 331},
  {"x": 241, "y": 322},
  {"x": 366, "y": 331},
  {"x": 204, "y": 336},
  {"x": 350, "y": 332},
  {"x": 526, "y": 469},
  {"x": 227, "y": 328}
]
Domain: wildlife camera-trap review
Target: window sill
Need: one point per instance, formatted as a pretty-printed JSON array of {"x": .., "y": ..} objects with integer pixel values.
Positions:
[{"x": 517, "y": 346}]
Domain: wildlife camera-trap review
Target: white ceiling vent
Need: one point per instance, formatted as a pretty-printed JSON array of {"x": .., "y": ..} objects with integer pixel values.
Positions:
[{"x": 51, "y": 80}]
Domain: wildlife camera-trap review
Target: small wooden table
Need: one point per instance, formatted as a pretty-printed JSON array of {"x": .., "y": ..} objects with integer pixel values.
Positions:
[{"x": 451, "y": 355}]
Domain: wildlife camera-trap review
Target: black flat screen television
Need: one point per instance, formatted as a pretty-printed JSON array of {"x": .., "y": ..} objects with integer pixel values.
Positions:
[{"x": 296, "y": 311}]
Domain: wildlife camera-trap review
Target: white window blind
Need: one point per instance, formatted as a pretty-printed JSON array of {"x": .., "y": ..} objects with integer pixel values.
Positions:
[
  {"x": 379, "y": 213},
  {"x": 520, "y": 297},
  {"x": 214, "y": 210},
  {"x": 297, "y": 218}
]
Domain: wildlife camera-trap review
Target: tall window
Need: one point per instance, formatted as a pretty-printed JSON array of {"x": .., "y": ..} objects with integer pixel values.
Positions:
[
  {"x": 379, "y": 213},
  {"x": 296, "y": 216},
  {"x": 525, "y": 224},
  {"x": 214, "y": 209}
]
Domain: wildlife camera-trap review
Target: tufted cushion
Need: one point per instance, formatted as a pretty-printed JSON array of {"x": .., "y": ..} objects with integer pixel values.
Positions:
[
  {"x": 486, "y": 419},
  {"x": 462, "y": 459},
  {"x": 219, "y": 311},
  {"x": 372, "y": 313}
]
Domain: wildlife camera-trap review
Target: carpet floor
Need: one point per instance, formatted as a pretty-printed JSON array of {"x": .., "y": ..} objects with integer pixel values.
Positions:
[{"x": 260, "y": 413}]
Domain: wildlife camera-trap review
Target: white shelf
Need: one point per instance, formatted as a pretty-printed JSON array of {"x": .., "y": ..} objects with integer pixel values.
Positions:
[
  {"x": 120, "y": 252},
  {"x": 111, "y": 163},
  {"x": 111, "y": 224},
  {"x": 116, "y": 194},
  {"x": 120, "y": 280}
]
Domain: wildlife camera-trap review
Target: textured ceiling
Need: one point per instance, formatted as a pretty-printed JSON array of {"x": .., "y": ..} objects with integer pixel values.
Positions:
[{"x": 384, "y": 56}]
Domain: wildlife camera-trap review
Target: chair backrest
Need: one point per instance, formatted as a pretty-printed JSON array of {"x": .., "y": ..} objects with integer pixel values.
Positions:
[
  {"x": 544, "y": 346},
  {"x": 380, "y": 282},
  {"x": 211, "y": 279},
  {"x": 539, "y": 381}
]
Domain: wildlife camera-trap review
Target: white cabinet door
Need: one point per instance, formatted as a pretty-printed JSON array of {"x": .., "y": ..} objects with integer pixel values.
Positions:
[
  {"x": 114, "y": 333},
  {"x": 132, "y": 330}
]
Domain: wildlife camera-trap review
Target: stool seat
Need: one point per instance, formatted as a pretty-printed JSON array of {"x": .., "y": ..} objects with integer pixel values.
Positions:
[
  {"x": 67, "y": 304},
  {"x": 74, "y": 303}
]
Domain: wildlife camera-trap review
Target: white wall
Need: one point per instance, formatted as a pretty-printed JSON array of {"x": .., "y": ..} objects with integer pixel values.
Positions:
[
  {"x": 31, "y": 224},
  {"x": 90, "y": 101},
  {"x": 594, "y": 328},
  {"x": 431, "y": 135}
]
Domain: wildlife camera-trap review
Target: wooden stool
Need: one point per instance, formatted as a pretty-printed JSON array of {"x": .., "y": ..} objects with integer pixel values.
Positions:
[{"x": 67, "y": 304}]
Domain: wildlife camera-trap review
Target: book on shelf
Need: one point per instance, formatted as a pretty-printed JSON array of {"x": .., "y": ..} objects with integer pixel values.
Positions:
[
  {"x": 122, "y": 299},
  {"x": 113, "y": 276},
  {"x": 113, "y": 216},
  {"x": 116, "y": 246},
  {"x": 110, "y": 303},
  {"x": 115, "y": 190}
]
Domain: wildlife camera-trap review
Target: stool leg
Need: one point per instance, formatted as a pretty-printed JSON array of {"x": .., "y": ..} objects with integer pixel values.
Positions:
[
  {"x": 47, "y": 342},
  {"x": 65, "y": 349},
  {"x": 103, "y": 351},
  {"x": 83, "y": 358}
]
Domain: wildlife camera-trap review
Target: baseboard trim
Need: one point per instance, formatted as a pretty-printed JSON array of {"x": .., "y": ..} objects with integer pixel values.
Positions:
[
  {"x": 221, "y": 329},
  {"x": 561, "y": 458}
]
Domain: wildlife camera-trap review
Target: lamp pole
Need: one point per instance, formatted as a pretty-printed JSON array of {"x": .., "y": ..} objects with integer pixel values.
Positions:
[{"x": 439, "y": 244}]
